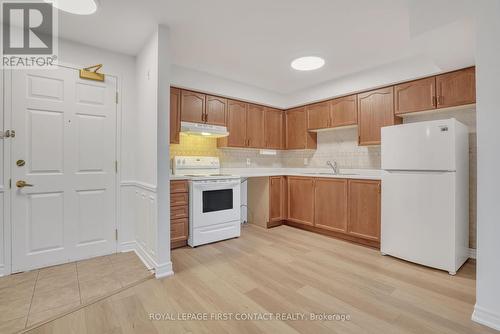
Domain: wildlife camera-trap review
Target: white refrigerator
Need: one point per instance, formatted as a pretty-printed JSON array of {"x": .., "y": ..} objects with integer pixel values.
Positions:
[{"x": 425, "y": 193}]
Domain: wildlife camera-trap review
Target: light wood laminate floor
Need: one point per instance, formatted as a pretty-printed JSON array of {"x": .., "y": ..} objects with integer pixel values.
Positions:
[{"x": 287, "y": 270}]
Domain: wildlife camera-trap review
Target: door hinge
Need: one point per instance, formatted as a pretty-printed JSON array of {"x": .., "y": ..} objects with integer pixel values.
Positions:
[
  {"x": 380, "y": 188},
  {"x": 116, "y": 234},
  {"x": 10, "y": 183},
  {"x": 116, "y": 166},
  {"x": 8, "y": 134},
  {"x": 116, "y": 98}
]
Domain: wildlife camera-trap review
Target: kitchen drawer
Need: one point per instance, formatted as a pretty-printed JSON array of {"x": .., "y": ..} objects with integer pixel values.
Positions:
[
  {"x": 177, "y": 212},
  {"x": 179, "y": 199},
  {"x": 179, "y": 229},
  {"x": 180, "y": 186}
]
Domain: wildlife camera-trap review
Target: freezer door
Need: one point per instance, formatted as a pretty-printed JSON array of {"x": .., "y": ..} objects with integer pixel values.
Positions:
[
  {"x": 418, "y": 217},
  {"x": 419, "y": 146}
]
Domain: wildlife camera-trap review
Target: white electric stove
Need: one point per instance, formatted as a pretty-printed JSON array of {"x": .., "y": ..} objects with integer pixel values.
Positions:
[{"x": 214, "y": 199}]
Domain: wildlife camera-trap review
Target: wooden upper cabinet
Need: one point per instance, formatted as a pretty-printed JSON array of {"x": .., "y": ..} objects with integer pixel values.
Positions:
[
  {"x": 456, "y": 88},
  {"x": 273, "y": 128},
  {"x": 344, "y": 111},
  {"x": 216, "y": 110},
  {"x": 283, "y": 139},
  {"x": 175, "y": 115},
  {"x": 318, "y": 116},
  {"x": 414, "y": 96},
  {"x": 295, "y": 128},
  {"x": 301, "y": 200},
  {"x": 297, "y": 136},
  {"x": 192, "y": 106},
  {"x": 364, "y": 209},
  {"x": 330, "y": 204},
  {"x": 236, "y": 124},
  {"x": 277, "y": 199},
  {"x": 375, "y": 110},
  {"x": 255, "y": 126}
]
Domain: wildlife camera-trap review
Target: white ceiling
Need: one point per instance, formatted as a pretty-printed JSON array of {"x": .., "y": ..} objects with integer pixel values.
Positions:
[{"x": 254, "y": 41}]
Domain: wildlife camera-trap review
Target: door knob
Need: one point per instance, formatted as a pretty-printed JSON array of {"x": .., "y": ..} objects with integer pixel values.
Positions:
[{"x": 22, "y": 184}]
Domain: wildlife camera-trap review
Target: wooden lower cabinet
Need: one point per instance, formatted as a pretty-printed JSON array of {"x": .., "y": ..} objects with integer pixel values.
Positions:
[
  {"x": 301, "y": 200},
  {"x": 178, "y": 232},
  {"x": 364, "y": 209},
  {"x": 179, "y": 213},
  {"x": 277, "y": 200},
  {"x": 330, "y": 204},
  {"x": 343, "y": 208}
]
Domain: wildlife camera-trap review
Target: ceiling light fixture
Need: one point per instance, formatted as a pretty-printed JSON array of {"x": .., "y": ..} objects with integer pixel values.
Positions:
[
  {"x": 307, "y": 63},
  {"x": 79, "y": 7}
]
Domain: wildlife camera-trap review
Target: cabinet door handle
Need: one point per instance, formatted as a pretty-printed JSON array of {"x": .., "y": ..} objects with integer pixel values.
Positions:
[{"x": 439, "y": 99}]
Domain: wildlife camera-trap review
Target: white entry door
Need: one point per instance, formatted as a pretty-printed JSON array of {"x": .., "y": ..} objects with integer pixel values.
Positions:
[{"x": 66, "y": 136}]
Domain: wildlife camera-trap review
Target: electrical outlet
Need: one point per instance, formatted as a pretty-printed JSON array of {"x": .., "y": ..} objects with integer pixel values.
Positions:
[
  {"x": 249, "y": 162},
  {"x": 306, "y": 161}
]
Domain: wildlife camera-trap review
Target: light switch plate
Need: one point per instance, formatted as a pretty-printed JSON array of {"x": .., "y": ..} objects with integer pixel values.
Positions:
[
  {"x": 306, "y": 161},
  {"x": 249, "y": 162}
]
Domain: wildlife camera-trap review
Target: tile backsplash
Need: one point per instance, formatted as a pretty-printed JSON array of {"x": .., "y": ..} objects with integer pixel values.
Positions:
[
  {"x": 195, "y": 146},
  {"x": 229, "y": 157},
  {"x": 340, "y": 145}
]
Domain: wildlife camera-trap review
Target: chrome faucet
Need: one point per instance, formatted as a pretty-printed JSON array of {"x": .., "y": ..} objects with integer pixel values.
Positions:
[{"x": 334, "y": 166}]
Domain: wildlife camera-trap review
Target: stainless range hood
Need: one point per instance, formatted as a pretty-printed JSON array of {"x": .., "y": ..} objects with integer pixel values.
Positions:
[{"x": 206, "y": 130}]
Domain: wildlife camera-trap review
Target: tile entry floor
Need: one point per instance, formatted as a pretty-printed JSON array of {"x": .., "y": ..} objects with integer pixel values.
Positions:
[{"x": 34, "y": 296}]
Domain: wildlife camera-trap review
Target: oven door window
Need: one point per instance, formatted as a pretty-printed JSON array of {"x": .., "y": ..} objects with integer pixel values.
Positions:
[{"x": 217, "y": 200}]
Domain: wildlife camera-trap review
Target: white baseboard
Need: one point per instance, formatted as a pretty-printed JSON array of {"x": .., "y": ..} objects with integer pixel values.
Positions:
[
  {"x": 127, "y": 246},
  {"x": 164, "y": 270},
  {"x": 3, "y": 271},
  {"x": 161, "y": 270},
  {"x": 485, "y": 317},
  {"x": 472, "y": 253},
  {"x": 148, "y": 261}
]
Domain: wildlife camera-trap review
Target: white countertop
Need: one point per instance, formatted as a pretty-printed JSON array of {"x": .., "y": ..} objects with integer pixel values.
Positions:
[
  {"x": 179, "y": 177},
  {"x": 365, "y": 174}
]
